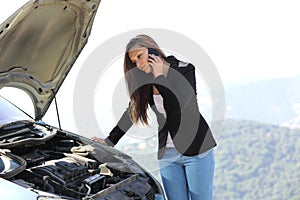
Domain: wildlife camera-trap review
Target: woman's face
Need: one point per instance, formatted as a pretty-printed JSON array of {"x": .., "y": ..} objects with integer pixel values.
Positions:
[{"x": 139, "y": 56}]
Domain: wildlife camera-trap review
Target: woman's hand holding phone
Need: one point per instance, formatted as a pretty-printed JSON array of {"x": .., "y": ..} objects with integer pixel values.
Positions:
[{"x": 155, "y": 62}]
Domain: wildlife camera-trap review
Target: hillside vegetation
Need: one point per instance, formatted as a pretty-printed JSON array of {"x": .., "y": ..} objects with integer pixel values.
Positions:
[{"x": 257, "y": 161}]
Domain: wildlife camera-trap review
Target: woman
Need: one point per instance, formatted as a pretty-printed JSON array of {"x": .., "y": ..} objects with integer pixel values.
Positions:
[{"x": 185, "y": 140}]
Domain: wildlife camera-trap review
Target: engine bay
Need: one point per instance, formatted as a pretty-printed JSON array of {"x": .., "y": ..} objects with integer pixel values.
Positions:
[{"x": 70, "y": 167}]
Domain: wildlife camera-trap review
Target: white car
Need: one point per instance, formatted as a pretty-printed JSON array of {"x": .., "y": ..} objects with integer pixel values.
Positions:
[{"x": 39, "y": 44}]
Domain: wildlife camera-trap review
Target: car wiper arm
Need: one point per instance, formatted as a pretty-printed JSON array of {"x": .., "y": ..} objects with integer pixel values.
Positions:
[{"x": 15, "y": 124}]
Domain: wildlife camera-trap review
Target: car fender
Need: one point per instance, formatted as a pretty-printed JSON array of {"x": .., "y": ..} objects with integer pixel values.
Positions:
[{"x": 9, "y": 190}]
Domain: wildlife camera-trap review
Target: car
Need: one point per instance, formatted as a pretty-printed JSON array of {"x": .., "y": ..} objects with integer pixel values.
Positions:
[{"x": 39, "y": 44}]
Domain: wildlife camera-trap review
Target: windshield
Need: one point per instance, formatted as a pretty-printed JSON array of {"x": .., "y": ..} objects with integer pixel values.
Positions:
[{"x": 10, "y": 113}]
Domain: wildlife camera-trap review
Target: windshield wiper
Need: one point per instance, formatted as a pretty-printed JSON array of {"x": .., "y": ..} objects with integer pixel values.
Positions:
[{"x": 15, "y": 124}]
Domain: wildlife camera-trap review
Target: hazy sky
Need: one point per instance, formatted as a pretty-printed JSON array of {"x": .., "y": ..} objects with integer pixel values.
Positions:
[
  {"x": 257, "y": 39},
  {"x": 246, "y": 40}
]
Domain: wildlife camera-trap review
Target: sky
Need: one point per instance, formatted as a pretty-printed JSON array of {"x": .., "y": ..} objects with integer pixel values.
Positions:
[
  {"x": 246, "y": 40},
  {"x": 256, "y": 39}
]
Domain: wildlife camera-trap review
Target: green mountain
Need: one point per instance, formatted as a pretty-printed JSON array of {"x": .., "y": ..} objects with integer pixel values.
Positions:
[{"x": 257, "y": 161}]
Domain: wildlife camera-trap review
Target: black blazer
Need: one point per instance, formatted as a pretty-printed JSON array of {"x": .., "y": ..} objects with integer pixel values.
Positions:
[{"x": 189, "y": 131}]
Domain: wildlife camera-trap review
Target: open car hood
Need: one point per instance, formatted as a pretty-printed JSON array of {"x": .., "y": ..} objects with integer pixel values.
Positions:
[{"x": 39, "y": 44}]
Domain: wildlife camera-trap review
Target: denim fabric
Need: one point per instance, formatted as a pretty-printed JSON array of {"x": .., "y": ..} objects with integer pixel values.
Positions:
[{"x": 187, "y": 177}]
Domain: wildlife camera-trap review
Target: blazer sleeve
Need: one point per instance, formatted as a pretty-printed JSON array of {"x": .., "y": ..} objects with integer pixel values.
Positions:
[{"x": 120, "y": 129}]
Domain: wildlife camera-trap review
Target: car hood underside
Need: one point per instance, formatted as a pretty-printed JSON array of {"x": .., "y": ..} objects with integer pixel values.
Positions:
[{"x": 39, "y": 44}]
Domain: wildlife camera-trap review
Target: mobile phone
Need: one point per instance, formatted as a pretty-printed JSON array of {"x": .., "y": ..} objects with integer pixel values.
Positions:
[{"x": 152, "y": 51}]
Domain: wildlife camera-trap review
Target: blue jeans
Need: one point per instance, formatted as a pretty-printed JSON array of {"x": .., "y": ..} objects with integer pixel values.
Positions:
[{"x": 187, "y": 177}]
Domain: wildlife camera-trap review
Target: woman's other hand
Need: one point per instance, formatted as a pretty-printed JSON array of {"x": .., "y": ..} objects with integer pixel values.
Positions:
[{"x": 99, "y": 140}]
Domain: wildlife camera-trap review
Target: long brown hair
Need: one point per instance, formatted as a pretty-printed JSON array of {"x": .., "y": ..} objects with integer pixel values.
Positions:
[{"x": 137, "y": 87}]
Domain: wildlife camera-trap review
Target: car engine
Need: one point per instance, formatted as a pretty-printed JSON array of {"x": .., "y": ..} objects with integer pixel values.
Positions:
[{"x": 70, "y": 167}]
